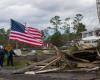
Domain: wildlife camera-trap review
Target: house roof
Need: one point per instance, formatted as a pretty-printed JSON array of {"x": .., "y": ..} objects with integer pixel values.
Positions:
[{"x": 91, "y": 30}]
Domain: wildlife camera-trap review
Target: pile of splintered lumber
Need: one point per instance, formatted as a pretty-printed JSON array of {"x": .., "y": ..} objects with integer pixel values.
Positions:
[{"x": 59, "y": 55}]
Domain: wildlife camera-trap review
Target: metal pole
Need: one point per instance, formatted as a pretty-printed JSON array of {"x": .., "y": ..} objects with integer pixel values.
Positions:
[{"x": 98, "y": 9}]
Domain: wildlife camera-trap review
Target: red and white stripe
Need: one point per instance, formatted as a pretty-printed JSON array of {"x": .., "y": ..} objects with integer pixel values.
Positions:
[{"x": 31, "y": 36}]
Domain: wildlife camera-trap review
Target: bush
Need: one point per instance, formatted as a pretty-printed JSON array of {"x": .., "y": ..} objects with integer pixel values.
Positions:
[{"x": 73, "y": 48}]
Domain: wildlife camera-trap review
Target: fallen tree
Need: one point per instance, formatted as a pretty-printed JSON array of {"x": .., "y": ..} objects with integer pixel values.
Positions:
[{"x": 75, "y": 57}]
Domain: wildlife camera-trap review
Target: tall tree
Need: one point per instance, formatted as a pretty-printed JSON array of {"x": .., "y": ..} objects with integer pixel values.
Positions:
[
  {"x": 66, "y": 26},
  {"x": 56, "y": 22},
  {"x": 77, "y": 19},
  {"x": 78, "y": 26}
]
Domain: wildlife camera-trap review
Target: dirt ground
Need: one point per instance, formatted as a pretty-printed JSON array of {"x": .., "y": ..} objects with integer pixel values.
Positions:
[{"x": 53, "y": 76}]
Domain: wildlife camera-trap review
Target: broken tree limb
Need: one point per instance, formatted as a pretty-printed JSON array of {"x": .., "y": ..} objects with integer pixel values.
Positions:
[
  {"x": 51, "y": 61},
  {"x": 43, "y": 71},
  {"x": 59, "y": 56},
  {"x": 57, "y": 51},
  {"x": 32, "y": 65},
  {"x": 55, "y": 60},
  {"x": 98, "y": 53},
  {"x": 76, "y": 58},
  {"x": 67, "y": 63},
  {"x": 84, "y": 69}
]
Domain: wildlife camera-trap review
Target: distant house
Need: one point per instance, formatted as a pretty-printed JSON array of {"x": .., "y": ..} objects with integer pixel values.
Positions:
[{"x": 90, "y": 39}]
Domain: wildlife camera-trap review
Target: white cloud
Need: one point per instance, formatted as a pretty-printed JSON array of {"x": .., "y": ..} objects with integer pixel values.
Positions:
[{"x": 39, "y": 12}]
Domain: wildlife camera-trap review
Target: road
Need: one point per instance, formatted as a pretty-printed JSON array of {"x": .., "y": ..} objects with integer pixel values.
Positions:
[{"x": 53, "y": 76}]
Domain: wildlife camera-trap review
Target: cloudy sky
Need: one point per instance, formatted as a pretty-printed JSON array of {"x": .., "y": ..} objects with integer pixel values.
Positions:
[{"x": 37, "y": 13}]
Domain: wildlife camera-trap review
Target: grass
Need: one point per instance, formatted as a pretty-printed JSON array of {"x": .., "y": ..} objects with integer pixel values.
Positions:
[
  {"x": 17, "y": 64},
  {"x": 20, "y": 63}
]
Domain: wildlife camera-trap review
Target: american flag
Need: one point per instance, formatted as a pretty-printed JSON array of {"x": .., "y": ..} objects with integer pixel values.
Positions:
[{"x": 27, "y": 35}]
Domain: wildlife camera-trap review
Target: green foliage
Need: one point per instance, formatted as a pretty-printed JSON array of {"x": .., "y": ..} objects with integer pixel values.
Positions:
[
  {"x": 78, "y": 17},
  {"x": 65, "y": 38},
  {"x": 39, "y": 52},
  {"x": 81, "y": 28},
  {"x": 68, "y": 37},
  {"x": 3, "y": 36},
  {"x": 77, "y": 20},
  {"x": 73, "y": 48},
  {"x": 72, "y": 36},
  {"x": 56, "y": 39}
]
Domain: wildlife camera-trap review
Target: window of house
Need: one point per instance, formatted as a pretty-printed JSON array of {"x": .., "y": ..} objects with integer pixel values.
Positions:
[
  {"x": 85, "y": 35},
  {"x": 90, "y": 33},
  {"x": 97, "y": 33}
]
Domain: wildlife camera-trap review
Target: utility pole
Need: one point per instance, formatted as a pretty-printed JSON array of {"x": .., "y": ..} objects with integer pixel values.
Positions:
[{"x": 98, "y": 9}]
